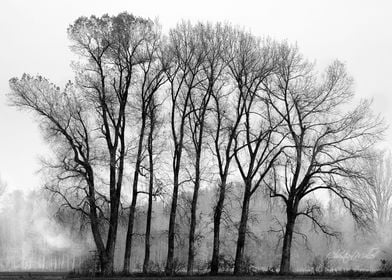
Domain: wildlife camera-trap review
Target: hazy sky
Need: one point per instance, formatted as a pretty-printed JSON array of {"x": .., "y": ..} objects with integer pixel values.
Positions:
[{"x": 34, "y": 40}]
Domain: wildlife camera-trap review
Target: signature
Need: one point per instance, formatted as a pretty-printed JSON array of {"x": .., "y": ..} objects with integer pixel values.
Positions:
[{"x": 345, "y": 256}]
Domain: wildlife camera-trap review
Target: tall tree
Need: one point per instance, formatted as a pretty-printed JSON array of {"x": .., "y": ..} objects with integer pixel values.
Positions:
[
  {"x": 91, "y": 116},
  {"x": 227, "y": 115},
  {"x": 114, "y": 48},
  {"x": 325, "y": 138},
  {"x": 211, "y": 41},
  {"x": 151, "y": 78},
  {"x": 154, "y": 125},
  {"x": 258, "y": 139},
  {"x": 67, "y": 125},
  {"x": 186, "y": 59}
]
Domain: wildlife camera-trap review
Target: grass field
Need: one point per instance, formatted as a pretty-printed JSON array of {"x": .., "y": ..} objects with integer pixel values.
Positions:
[{"x": 61, "y": 275}]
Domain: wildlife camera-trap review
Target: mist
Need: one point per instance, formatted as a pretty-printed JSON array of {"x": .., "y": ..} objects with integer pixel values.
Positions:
[
  {"x": 204, "y": 149},
  {"x": 34, "y": 239},
  {"x": 36, "y": 236}
]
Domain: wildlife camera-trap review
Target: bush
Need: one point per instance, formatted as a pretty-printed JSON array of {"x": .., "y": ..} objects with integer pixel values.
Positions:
[
  {"x": 156, "y": 267},
  {"x": 226, "y": 263},
  {"x": 320, "y": 264},
  {"x": 90, "y": 265},
  {"x": 248, "y": 265},
  {"x": 178, "y": 265},
  {"x": 385, "y": 265}
]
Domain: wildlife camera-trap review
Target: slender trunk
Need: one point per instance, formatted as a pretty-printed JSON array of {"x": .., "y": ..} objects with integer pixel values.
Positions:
[
  {"x": 150, "y": 195},
  {"x": 107, "y": 260},
  {"x": 128, "y": 244},
  {"x": 191, "y": 251},
  {"x": 111, "y": 243},
  {"x": 170, "y": 246},
  {"x": 178, "y": 146},
  {"x": 239, "y": 256},
  {"x": 217, "y": 221},
  {"x": 169, "y": 269},
  {"x": 288, "y": 236}
]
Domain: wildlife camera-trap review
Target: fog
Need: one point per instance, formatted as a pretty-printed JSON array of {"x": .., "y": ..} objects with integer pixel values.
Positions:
[
  {"x": 35, "y": 236},
  {"x": 34, "y": 239},
  {"x": 197, "y": 148}
]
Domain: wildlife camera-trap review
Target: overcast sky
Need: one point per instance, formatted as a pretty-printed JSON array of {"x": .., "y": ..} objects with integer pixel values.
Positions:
[{"x": 34, "y": 40}]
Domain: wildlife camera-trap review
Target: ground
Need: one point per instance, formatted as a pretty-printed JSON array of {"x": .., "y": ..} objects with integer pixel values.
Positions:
[{"x": 57, "y": 276}]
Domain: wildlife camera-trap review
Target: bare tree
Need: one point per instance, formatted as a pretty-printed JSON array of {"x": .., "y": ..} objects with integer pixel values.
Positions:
[
  {"x": 325, "y": 137},
  {"x": 154, "y": 125},
  {"x": 186, "y": 60},
  {"x": 258, "y": 139},
  {"x": 68, "y": 127},
  {"x": 114, "y": 47},
  {"x": 376, "y": 192},
  {"x": 211, "y": 41},
  {"x": 151, "y": 78},
  {"x": 89, "y": 117},
  {"x": 223, "y": 129}
]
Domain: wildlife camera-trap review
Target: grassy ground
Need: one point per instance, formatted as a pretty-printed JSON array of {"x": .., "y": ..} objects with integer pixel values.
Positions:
[{"x": 58, "y": 276}]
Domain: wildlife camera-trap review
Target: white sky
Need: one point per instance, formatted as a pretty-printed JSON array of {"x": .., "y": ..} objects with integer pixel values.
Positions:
[{"x": 34, "y": 40}]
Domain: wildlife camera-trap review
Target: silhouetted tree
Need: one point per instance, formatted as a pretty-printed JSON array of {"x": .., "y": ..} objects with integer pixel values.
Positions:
[
  {"x": 325, "y": 139},
  {"x": 67, "y": 124},
  {"x": 210, "y": 40},
  {"x": 150, "y": 78},
  {"x": 223, "y": 126},
  {"x": 258, "y": 139},
  {"x": 154, "y": 185},
  {"x": 87, "y": 122},
  {"x": 183, "y": 72}
]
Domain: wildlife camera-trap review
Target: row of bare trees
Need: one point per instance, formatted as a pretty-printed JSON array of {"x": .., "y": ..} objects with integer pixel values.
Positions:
[{"x": 237, "y": 107}]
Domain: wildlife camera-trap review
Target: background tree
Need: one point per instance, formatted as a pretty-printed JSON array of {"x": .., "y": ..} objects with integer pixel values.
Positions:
[
  {"x": 326, "y": 137},
  {"x": 376, "y": 192},
  {"x": 3, "y": 186}
]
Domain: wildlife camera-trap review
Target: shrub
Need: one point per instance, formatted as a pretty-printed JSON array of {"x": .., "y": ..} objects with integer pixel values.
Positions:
[
  {"x": 386, "y": 265},
  {"x": 320, "y": 264}
]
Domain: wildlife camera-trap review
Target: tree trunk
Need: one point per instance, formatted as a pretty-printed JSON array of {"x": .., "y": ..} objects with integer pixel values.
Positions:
[
  {"x": 239, "y": 256},
  {"x": 128, "y": 244},
  {"x": 107, "y": 264},
  {"x": 288, "y": 237},
  {"x": 217, "y": 221},
  {"x": 149, "y": 209},
  {"x": 106, "y": 255},
  {"x": 191, "y": 251},
  {"x": 170, "y": 245},
  {"x": 113, "y": 219},
  {"x": 93, "y": 217}
]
